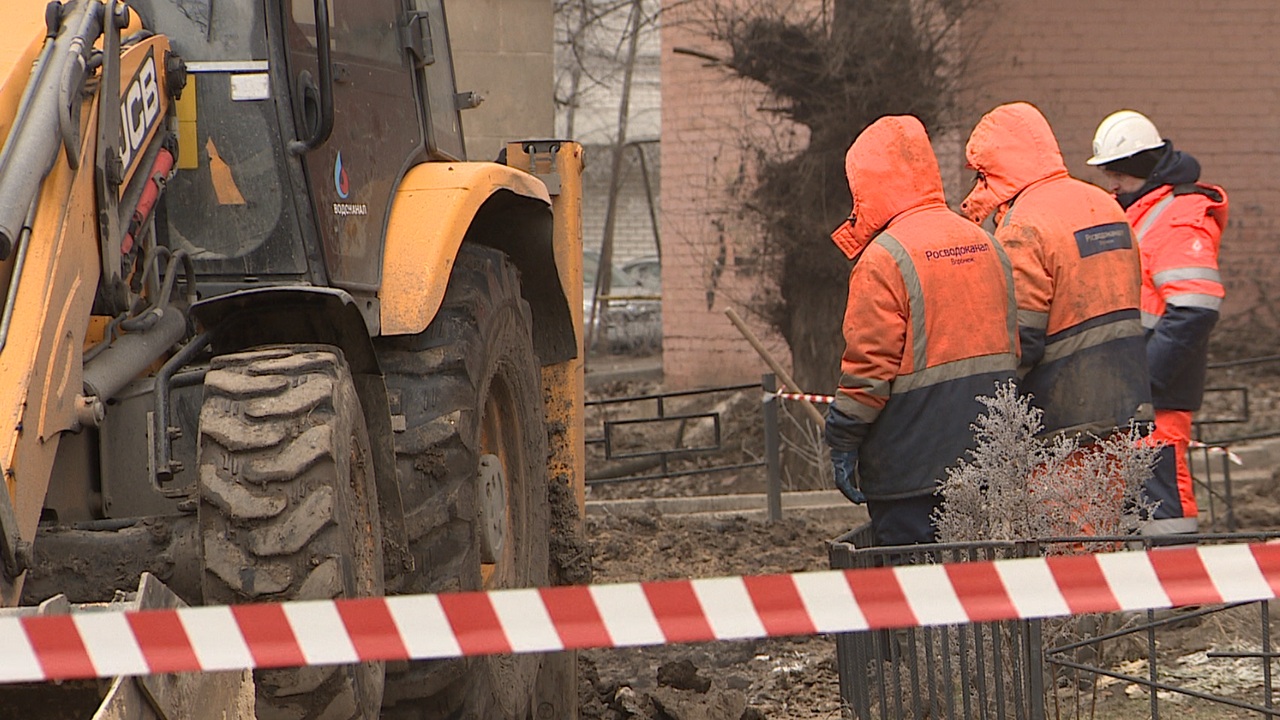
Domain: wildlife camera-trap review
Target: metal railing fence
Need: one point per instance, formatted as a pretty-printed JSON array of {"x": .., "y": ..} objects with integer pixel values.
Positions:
[
  {"x": 610, "y": 420},
  {"x": 1034, "y": 669}
]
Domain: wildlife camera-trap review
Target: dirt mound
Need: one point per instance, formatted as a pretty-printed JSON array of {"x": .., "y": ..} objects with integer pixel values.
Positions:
[{"x": 743, "y": 680}]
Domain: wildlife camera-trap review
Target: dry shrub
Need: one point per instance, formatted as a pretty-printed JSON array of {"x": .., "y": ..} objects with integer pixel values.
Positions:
[{"x": 1019, "y": 485}]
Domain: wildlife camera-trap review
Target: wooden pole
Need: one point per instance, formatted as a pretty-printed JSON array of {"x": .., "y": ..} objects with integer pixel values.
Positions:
[{"x": 777, "y": 368}]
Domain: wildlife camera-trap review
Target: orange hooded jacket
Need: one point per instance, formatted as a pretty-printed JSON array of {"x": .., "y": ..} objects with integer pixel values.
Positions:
[
  {"x": 1077, "y": 273},
  {"x": 930, "y": 320}
]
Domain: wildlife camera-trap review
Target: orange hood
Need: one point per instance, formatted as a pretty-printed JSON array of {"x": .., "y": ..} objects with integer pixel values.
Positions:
[
  {"x": 1011, "y": 148},
  {"x": 891, "y": 168}
]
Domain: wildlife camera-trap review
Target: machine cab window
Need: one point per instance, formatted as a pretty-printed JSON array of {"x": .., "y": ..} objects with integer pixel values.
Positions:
[{"x": 236, "y": 216}]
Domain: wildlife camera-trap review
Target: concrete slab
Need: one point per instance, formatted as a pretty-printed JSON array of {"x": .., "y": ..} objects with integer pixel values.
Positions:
[
  {"x": 827, "y": 502},
  {"x": 604, "y": 369}
]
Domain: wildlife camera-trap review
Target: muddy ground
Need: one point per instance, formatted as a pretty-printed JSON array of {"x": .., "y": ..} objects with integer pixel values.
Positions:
[
  {"x": 796, "y": 677},
  {"x": 776, "y": 678}
]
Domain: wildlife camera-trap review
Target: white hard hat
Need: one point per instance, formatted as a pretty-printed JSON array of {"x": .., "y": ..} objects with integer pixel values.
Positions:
[{"x": 1122, "y": 134}]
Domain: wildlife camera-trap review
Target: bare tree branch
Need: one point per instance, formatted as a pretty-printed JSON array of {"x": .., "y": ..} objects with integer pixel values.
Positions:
[{"x": 831, "y": 70}]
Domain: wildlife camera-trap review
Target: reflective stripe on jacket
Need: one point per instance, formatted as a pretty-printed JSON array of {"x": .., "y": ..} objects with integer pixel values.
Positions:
[
  {"x": 1179, "y": 230},
  {"x": 1077, "y": 273},
  {"x": 930, "y": 320}
]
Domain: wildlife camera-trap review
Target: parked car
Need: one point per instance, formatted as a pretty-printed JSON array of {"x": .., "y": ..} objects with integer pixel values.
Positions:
[
  {"x": 629, "y": 318},
  {"x": 646, "y": 270}
]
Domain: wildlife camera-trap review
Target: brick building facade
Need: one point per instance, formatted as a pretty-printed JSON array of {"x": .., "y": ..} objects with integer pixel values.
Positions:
[
  {"x": 708, "y": 118},
  {"x": 1208, "y": 75}
]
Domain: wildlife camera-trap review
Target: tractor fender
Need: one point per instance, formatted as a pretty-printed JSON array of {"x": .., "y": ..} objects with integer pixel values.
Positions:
[
  {"x": 288, "y": 314},
  {"x": 437, "y": 207}
]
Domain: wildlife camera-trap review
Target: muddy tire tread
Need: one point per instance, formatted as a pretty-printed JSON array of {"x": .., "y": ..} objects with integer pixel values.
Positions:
[
  {"x": 277, "y": 509},
  {"x": 482, "y": 329}
]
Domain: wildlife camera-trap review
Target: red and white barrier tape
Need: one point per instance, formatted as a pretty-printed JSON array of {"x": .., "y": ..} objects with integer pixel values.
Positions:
[
  {"x": 105, "y": 644},
  {"x": 808, "y": 397},
  {"x": 1214, "y": 449}
]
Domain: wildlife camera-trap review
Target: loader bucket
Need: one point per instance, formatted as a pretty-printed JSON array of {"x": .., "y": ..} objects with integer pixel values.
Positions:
[{"x": 198, "y": 696}]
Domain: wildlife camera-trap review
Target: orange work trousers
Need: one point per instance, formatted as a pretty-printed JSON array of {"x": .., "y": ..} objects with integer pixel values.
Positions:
[{"x": 1171, "y": 485}]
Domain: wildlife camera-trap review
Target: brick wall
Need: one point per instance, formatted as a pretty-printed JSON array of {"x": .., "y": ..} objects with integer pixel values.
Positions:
[
  {"x": 1208, "y": 74},
  {"x": 706, "y": 118}
]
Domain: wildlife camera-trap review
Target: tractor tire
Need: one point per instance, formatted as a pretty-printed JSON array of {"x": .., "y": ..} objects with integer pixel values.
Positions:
[
  {"x": 472, "y": 461},
  {"x": 288, "y": 508}
]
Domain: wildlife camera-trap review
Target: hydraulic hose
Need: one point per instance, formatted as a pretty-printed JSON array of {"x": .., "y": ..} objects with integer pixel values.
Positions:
[
  {"x": 20, "y": 262},
  {"x": 32, "y": 146}
]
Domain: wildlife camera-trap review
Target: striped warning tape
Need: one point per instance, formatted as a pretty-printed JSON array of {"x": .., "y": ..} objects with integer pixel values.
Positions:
[
  {"x": 105, "y": 644},
  {"x": 807, "y": 397},
  {"x": 1215, "y": 449}
]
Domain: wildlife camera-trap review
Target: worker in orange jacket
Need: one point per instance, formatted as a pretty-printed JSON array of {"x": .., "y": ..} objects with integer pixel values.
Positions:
[
  {"x": 929, "y": 326},
  {"x": 1077, "y": 274},
  {"x": 1178, "y": 221}
]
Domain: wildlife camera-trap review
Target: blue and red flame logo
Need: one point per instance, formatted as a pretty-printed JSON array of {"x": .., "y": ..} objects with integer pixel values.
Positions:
[{"x": 340, "y": 181}]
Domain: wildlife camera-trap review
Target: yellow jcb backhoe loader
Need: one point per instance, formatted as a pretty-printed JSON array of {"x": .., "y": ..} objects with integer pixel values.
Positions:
[{"x": 267, "y": 335}]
